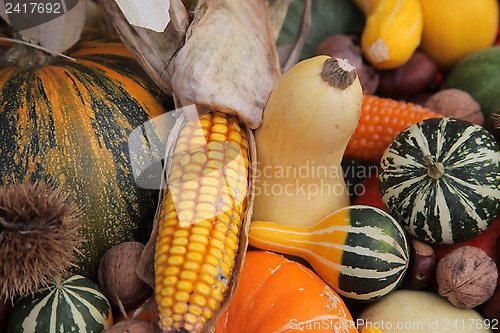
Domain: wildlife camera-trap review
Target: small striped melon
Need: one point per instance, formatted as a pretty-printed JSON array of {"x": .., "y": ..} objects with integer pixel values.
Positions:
[
  {"x": 440, "y": 178},
  {"x": 360, "y": 251},
  {"x": 75, "y": 305}
]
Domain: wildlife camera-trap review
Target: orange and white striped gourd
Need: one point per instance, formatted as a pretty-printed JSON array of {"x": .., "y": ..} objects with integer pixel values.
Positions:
[{"x": 360, "y": 251}]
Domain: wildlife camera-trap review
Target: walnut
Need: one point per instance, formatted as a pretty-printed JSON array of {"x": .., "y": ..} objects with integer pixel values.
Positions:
[
  {"x": 455, "y": 103},
  {"x": 466, "y": 276},
  {"x": 118, "y": 278}
]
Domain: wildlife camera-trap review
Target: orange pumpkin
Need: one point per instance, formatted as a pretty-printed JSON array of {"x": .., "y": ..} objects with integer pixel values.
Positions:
[{"x": 275, "y": 294}]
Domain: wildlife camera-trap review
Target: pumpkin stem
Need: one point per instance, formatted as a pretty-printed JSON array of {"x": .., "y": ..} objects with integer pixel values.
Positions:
[
  {"x": 435, "y": 170},
  {"x": 338, "y": 73}
]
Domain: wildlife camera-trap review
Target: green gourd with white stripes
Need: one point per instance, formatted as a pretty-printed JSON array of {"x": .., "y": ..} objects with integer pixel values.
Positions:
[
  {"x": 360, "y": 251},
  {"x": 440, "y": 178},
  {"x": 75, "y": 305}
]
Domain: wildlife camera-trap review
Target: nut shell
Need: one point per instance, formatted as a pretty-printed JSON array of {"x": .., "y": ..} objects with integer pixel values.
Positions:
[
  {"x": 466, "y": 276},
  {"x": 118, "y": 277},
  {"x": 423, "y": 261},
  {"x": 455, "y": 103}
]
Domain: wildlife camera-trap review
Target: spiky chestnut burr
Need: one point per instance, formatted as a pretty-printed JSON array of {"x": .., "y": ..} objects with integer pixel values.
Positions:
[{"x": 38, "y": 236}]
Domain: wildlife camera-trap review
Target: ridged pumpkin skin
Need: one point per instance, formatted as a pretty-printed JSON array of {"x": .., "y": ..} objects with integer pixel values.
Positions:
[
  {"x": 275, "y": 294},
  {"x": 70, "y": 120},
  {"x": 75, "y": 305},
  {"x": 440, "y": 178}
]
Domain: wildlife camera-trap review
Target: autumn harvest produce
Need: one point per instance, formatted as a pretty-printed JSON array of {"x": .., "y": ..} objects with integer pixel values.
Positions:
[
  {"x": 38, "y": 238},
  {"x": 325, "y": 166},
  {"x": 392, "y": 31},
  {"x": 476, "y": 74},
  {"x": 381, "y": 120},
  {"x": 360, "y": 251},
  {"x": 440, "y": 178},
  {"x": 69, "y": 120},
  {"x": 424, "y": 312},
  {"x": 447, "y": 36},
  {"x": 198, "y": 242},
  {"x": 75, "y": 304},
  {"x": 308, "y": 120},
  {"x": 276, "y": 294}
]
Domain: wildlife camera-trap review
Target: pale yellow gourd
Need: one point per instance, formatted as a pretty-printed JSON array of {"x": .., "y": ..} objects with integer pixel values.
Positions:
[
  {"x": 308, "y": 120},
  {"x": 454, "y": 29},
  {"x": 392, "y": 31}
]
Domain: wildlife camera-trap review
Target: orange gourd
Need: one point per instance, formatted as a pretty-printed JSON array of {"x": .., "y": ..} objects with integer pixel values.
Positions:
[{"x": 275, "y": 294}]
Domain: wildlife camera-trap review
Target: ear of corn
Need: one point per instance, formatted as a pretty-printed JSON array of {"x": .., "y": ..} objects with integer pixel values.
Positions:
[
  {"x": 381, "y": 120},
  {"x": 200, "y": 219}
]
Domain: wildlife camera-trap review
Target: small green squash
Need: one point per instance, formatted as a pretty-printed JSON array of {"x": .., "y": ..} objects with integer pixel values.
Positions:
[
  {"x": 360, "y": 251},
  {"x": 70, "y": 120},
  {"x": 440, "y": 178},
  {"x": 75, "y": 305},
  {"x": 478, "y": 74}
]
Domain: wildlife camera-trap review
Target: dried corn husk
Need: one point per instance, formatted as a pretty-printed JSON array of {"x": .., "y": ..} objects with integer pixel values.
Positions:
[
  {"x": 148, "y": 14},
  {"x": 56, "y": 35},
  {"x": 229, "y": 59},
  {"x": 226, "y": 58},
  {"x": 153, "y": 50},
  {"x": 145, "y": 267}
]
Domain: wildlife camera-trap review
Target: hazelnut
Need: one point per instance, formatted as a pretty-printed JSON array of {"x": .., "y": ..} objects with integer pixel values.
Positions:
[
  {"x": 466, "y": 276},
  {"x": 423, "y": 261},
  {"x": 455, "y": 103},
  {"x": 118, "y": 277}
]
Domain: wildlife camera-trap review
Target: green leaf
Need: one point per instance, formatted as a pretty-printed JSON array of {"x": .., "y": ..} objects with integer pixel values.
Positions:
[{"x": 328, "y": 17}]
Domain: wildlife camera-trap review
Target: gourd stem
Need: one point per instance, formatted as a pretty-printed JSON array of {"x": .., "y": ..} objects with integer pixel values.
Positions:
[
  {"x": 435, "y": 170},
  {"x": 338, "y": 73}
]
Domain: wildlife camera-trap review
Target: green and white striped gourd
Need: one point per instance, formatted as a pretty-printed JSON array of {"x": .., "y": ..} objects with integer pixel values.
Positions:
[
  {"x": 75, "y": 305},
  {"x": 360, "y": 251},
  {"x": 440, "y": 178}
]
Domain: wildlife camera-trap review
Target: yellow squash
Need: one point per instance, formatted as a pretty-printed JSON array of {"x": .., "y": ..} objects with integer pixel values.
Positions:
[
  {"x": 392, "y": 32},
  {"x": 456, "y": 28}
]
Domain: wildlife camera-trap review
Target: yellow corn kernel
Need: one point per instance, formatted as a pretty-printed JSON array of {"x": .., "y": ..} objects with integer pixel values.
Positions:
[
  {"x": 196, "y": 305},
  {"x": 199, "y": 220},
  {"x": 181, "y": 296},
  {"x": 201, "y": 289},
  {"x": 198, "y": 239}
]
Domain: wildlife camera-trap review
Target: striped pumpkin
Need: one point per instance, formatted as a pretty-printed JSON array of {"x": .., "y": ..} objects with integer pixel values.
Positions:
[
  {"x": 75, "y": 305},
  {"x": 440, "y": 178},
  {"x": 70, "y": 120},
  {"x": 360, "y": 251}
]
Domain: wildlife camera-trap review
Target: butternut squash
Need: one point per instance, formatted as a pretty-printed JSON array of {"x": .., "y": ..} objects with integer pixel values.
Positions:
[
  {"x": 454, "y": 29},
  {"x": 308, "y": 120},
  {"x": 392, "y": 32}
]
